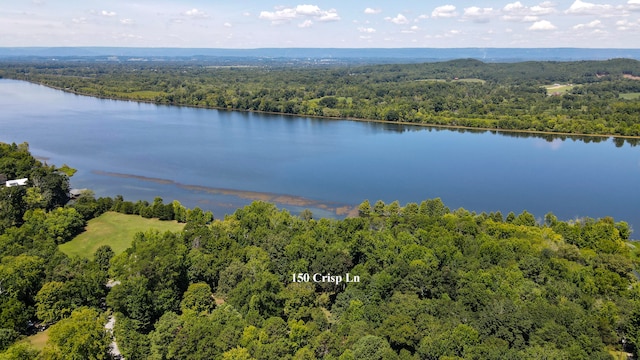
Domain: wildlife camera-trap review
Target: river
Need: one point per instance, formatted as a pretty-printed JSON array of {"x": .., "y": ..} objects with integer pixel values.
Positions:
[{"x": 222, "y": 160}]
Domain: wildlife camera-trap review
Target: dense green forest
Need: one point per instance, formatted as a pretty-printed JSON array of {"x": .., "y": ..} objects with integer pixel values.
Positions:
[
  {"x": 432, "y": 283},
  {"x": 593, "y": 97}
]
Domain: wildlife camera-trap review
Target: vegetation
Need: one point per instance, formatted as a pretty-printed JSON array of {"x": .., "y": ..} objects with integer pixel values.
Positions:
[
  {"x": 465, "y": 93},
  {"x": 630, "y": 96},
  {"x": 39, "y": 340},
  {"x": 113, "y": 229},
  {"x": 418, "y": 281}
]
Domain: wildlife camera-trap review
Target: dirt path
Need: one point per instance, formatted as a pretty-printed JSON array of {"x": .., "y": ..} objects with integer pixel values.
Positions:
[{"x": 115, "y": 351}]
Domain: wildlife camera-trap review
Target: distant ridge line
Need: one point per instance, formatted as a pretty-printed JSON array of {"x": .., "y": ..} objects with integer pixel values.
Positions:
[{"x": 406, "y": 54}]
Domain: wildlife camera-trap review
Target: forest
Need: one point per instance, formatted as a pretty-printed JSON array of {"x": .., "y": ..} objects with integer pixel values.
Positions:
[
  {"x": 434, "y": 282},
  {"x": 593, "y": 97}
]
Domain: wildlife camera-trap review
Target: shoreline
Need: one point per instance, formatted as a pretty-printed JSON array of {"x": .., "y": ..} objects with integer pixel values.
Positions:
[
  {"x": 339, "y": 209},
  {"x": 404, "y": 123}
]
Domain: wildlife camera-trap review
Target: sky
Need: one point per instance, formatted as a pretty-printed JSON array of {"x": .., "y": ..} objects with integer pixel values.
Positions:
[{"x": 247, "y": 24}]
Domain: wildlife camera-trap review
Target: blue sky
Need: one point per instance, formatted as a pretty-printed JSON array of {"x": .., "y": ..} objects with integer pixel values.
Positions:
[{"x": 346, "y": 23}]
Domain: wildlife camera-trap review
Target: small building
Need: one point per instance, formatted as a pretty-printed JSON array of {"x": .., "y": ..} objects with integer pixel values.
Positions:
[
  {"x": 75, "y": 193},
  {"x": 16, "y": 182}
]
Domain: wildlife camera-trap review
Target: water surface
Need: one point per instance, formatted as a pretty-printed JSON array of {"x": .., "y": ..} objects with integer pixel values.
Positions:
[{"x": 221, "y": 160}]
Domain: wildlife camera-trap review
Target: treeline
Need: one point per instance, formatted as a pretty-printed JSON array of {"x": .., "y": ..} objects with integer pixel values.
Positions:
[
  {"x": 469, "y": 93},
  {"x": 48, "y": 186},
  {"x": 90, "y": 207},
  {"x": 433, "y": 283}
]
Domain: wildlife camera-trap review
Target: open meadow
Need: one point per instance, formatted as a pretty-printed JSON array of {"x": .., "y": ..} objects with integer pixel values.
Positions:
[{"x": 116, "y": 230}]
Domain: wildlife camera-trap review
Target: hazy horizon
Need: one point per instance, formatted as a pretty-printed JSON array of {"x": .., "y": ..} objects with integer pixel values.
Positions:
[{"x": 256, "y": 24}]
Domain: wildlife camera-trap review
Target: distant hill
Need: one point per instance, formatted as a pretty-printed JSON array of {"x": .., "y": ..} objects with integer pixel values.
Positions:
[{"x": 374, "y": 55}]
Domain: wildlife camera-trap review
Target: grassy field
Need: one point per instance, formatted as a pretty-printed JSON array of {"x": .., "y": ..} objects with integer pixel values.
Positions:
[
  {"x": 558, "y": 89},
  {"x": 470, "y": 80},
  {"x": 113, "y": 229},
  {"x": 630, "y": 96},
  {"x": 38, "y": 340}
]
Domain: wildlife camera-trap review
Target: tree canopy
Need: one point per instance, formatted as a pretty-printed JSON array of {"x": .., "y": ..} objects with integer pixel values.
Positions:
[{"x": 579, "y": 97}]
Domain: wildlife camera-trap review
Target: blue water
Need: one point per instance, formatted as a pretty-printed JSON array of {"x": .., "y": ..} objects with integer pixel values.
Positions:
[{"x": 324, "y": 161}]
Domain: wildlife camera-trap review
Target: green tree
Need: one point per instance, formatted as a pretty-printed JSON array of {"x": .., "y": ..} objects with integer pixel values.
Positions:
[
  {"x": 7, "y": 337},
  {"x": 525, "y": 218},
  {"x": 373, "y": 348},
  {"x": 14, "y": 314},
  {"x": 133, "y": 344},
  {"x": 103, "y": 256},
  {"x": 364, "y": 210},
  {"x": 19, "y": 351},
  {"x": 82, "y": 336},
  {"x": 165, "y": 330},
  {"x": 198, "y": 298},
  {"x": 179, "y": 212},
  {"x": 53, "y": 302},
  {"x": 238, "y": 353}
]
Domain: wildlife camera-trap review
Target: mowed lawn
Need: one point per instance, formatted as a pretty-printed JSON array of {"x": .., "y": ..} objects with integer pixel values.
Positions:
[
  {"x": 38, "y": 340},
  {"x": 116, "y": 230}
]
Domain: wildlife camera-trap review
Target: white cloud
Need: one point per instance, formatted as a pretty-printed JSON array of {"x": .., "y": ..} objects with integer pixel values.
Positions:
[
  {"x": 591, "y": 25},
  {"x": 544, "y": 8},
  {"x": 285, "y": 15},
  {"x": 411, "y": 30},
  {"x": 633, "y": 5},
  {"x": 479, "y": 15},
  {"x": 370, "y": 11},
  {"x": 514, "y": 7},
  {"x": 195, "y": 13},
  {"x": 330, "y": 15},
  {"x": 400, "y": 19},
  {"x": 127, "y": 21},
  {"x": 624, "y": 25},
  {"x": 445, "y": 11},
  {"x": 305, "y": 24},
  {"x": 108, "y": 13},
  {"x": 279, "y": 16},
  {"x": 585, "y": 8},
  {"x": 308, "y": 10},
  {"x": 520, "y": 13},
  {"x": 80, "y": 20},
  {"x": 228, "y": 24},
  {"x": 529, "y": 19},
  {"x": 423, "y": 16},
  {"x": 366, "y": 30},
  {"x": 542, "y": 25}
]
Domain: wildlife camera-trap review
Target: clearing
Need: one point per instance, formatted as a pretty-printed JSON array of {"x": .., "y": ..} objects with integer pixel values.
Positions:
[
  {"x": 113, "y": 229},
  {"x": 39, "y": 340},
  {"x": 558, "y": 89},
  {"x": 630, "y": 96}
]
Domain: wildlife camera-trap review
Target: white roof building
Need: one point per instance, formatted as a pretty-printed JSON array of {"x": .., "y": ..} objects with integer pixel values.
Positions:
[{"x": 16, "y": 182}]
